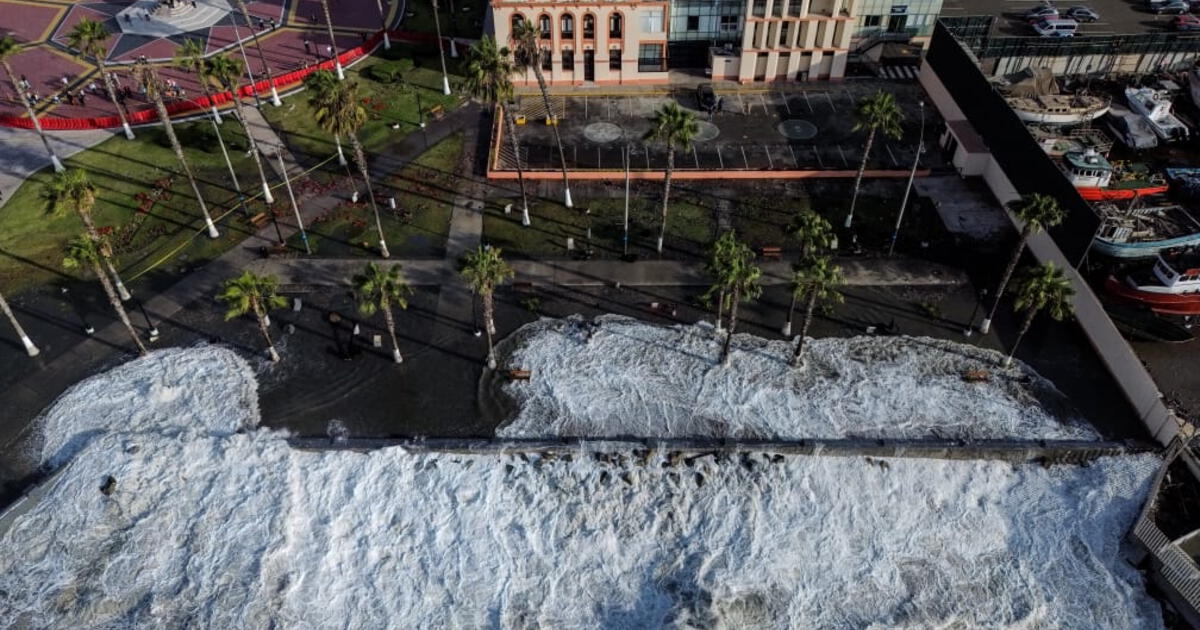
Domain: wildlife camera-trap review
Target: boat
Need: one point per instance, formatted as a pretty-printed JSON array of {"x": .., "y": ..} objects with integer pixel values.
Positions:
[
  {"x": 1194, "y": 85},
  {"x": 1036, "y": 98},
  {"x": 1155, "y": 107},
  {"x": 1097, "y": 179},
  {"x": 1130, "y": 129},
  {"x": 1139, "y": 323},
  {"x": 1144, "y": 232},
  {"x": 1057, "y": 142},
  {"x": 1170, "y": 287},
  {"x": 1185, "y": 181}
]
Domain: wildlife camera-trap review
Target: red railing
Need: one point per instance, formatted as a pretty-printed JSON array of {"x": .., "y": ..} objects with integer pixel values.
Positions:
[{"x": 148, "y": 115}]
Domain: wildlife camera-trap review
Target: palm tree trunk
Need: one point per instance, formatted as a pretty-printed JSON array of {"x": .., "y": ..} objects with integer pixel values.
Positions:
[
  {"x": 809, "y": 307},
  {"x": 512, "y": 135},
  {"x": 178, "y": 149},
  {"x": 264, "y": 324},
  {"x": 787, "y": 326},
  {"x": 37, "y": 124},
  {"x": 261, "y": 57},
  {"x": 391, "y": 326},
  {"x": 337, "y": 139},
  {"x": 986, "y": 325},
  {"x": 1029, "y": 315},
  {"x": 207, "y": 91},
  {"x": 253, "y": 145},
  {"x": 383, "y": 25},
  {"x": 30, "y": 349},
  {"x": 112, "y": 95},
  {"x": 733, "y": 313},
  {"x": 562, "y": 156},
  {"x": 720, "y": 309},
  {"x": 862, "y": 167},
  {"x": 122, "y": 292},
  {"x": 333, "y": 43},
  {"x": 490, "y": 327},
  {"x": 361, "y": 158},
  {"x": 662, "y": 232},
  {"x": 89, "y": 226},
  {"x": 437, "y": 25},
  {"x": 116, "y": 304}
]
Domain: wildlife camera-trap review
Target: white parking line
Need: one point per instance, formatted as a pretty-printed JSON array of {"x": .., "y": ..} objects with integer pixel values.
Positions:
[
  {"x": 785, "y": 103},
  {"x": 720, "y": 159},
  {"x": 817, "y": 153},
  {"x": 808, "y": 102},
  {"x": 770, "y": 162},
  {"x": 695, "y": 156},
  {"x": 744, "y": 160},
  {"x": 794, "y": 160},
  {"x": 763, "y": 100},
  {"x": 844, "y": 161},
  {"x": 830, "y": 99}
]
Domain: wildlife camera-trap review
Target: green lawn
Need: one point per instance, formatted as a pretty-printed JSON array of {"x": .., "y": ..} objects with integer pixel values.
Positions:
[
  {"x": 418, "y": 227},
  {"x": 32, "y": 237},
  {"x": 690, "y": 227},
  {"x": 387, "y": 103}
]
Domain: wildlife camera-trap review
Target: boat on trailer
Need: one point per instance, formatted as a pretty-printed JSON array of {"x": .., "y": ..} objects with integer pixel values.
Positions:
[
  {"x": 1170, "y": 287},
  {"x": 1144, "y": 232},
  {"x": 1097, "y": 179}
]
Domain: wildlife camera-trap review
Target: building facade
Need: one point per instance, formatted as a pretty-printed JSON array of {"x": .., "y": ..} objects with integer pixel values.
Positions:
[
  {"x": 895, "y": 19},
  {"x": 637, "y": 43}
]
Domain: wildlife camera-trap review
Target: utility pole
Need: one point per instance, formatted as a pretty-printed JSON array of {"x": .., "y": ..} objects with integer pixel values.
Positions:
[
  {"x": 287, "y": 182},
  {"x": 911, "y": 175},
  {"x": 626, "y": 199}
]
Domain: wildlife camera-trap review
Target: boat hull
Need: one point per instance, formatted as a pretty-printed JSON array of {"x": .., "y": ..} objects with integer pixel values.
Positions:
[
  {"x": 1092, "y": 193},
  {"x": 1061, "y": 118},
  {"x": 1161, "y": 303}
]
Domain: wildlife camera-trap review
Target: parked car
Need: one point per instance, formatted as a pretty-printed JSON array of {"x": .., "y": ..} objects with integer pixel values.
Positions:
[
  {"x": 1056, "y": 28},
  {"x": 1171, "y": 7},
  {"x": 1044, "y": 12},
  {"x": 1185, "y": 23},
  {"x": 1081, "y": 14},
  {"x": 707, "y": 97}
]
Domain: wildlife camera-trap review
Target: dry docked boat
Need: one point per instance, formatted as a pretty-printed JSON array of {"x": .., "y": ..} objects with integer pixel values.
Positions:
[
  {"x": 1144, "y": 232},
  {"x": 1097, "y": 179},
  {"x": 1037, "y": 99},
  {"x": 1155, "y": 107},
  {"x": 1171, "y": 287}
]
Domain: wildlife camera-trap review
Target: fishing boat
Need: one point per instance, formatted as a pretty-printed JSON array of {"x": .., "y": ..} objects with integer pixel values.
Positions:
[
  {"x": 1132, "y": 130},
  {"x": 1144, "y": 232},
  {"x": 1194, "y": 85},
  {"x": 1185, "y": 181},
  {"x": 1139, "y": 323},
  {"x": 1171, "y": 287},
  {"x": 1155, "y": 107},
  {"x": 1097, "y": 179},
  {"x": 1036, "y": 98}
]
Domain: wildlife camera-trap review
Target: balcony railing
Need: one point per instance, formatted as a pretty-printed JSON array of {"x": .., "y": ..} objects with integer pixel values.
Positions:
[{"x": 614, "y": 33}]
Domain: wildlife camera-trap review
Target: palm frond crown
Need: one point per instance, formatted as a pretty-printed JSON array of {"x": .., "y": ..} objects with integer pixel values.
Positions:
[
  {"x": 1044, "y": 288},
  {"x": 377, "y": 287},
  {"x": 485, "y": 270},
  {"x": 1038, "y": 212},
  {"x": 879, "y": 112},
  {"x": 70, "y": 189},
  {"x": 674, "y": 126}
]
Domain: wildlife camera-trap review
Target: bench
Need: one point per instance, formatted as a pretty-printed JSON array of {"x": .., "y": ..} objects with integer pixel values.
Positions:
[
  {"x": 518, "y": 375},
  {"x": 772, "y": 253},
  {"x": 522, "y": 287},
  {"x": 437, "y": 112},
  {"x": 664, "y": 308},
  {"x": 268, "y": 251},
  {"x": 259, "y": 219}
]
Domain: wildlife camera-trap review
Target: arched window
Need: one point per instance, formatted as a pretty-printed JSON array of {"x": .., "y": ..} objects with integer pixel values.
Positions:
[
  {"x": 544, "y": 26},
  {"x": 567, "y": 25},
  {"x": 589, "y": 26},
  {"x": 517, "y": 21},
  {"x": 614, "y": 26}
]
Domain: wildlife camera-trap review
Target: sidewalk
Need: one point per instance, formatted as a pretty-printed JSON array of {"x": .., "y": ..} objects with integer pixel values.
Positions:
[{"x": 24, "y": 154}]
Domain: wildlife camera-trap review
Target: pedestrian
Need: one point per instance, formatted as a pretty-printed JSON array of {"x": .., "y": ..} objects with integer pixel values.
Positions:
[
  {"x": 312, "y": 17},
  {"x": 146, "y": 15},
  {"x": 70, "y": 98},
  {"x": 193, "y": 4},
  {"x": 364, "y": 36},
  {"x": 272, "y": 24},
  {"x": 307, "y": 47},
  {"x": 329, "y": 51},
  {"x": 258, "y": 22},
  {"x": 82, "y": 99}
]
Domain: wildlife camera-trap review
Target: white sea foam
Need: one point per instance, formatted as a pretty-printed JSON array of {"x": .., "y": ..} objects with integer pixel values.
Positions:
[
  {"x": 221, "y": 529},
  {"x": 616, "y": 376}
]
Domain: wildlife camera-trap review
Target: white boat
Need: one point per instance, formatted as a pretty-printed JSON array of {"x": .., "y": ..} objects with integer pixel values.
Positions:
[
  {"x": 1058, "y": 109},
  {"x": 1194, "y": 85},
  {"x": 1133, "y": 130},
  {"x": 1155, "y": 107}
]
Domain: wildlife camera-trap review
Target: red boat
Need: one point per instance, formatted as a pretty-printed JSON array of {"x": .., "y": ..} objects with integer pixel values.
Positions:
[
  {"x": 1172, "y": 287},
  {"x": 1097, "y": 179}
]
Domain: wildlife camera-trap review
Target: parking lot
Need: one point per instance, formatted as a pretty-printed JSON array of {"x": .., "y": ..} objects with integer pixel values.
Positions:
[
  {"x": 753, "y": 130},
  {"x": 1116, "y": 16}
]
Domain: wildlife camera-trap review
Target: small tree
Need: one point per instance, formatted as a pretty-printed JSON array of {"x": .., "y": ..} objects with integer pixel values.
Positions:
[
  {"x": 1040, "y": 288},
  {"x": 376, "y": 289},
  {"x": 489, "y": 79},
  {"x": 727, "y": 253},
  {"x": 812, "y": 232},
  {"x": 814, "y": 280},
  {"x": 744, "y": 286},
  {"x": 88, "y": 37},
  {"x": 251, "y": 293},
  {"x": 227, "y": 70},
  {"x": 877, "y": 112},
  {"x": 9, "y": 48},
  {"x": 677, "y": 128},
  {"x": 1037, "y": 212},
  {"x": 83, "y": 251},
  {"x": 484, "y": 271},
  {"x": 71, "y": 188},
  {"x": 735, "y": 279}
]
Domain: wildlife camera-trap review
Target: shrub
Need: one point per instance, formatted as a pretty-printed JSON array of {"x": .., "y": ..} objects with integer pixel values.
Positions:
[{"x": 391, "y": 71}]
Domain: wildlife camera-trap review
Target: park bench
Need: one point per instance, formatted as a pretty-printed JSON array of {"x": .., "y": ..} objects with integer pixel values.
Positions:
[
  {"x": 259, "y": 219},
  {"x": 522, "y": 287},
  {"x": 663, "y": 308},
  {"x": 518, "y": 375},
  {"x": 437, "y": 112},
  {"x": 268, "y": 251},
  {"x": 772, "y": 252}
]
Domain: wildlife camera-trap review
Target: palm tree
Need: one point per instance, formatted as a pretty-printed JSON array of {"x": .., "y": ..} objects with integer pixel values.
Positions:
[
  {"x": 227, "y": 70},
  {"x": 86, "y": 251},
  {"x": 484, "y": 271},
  {"x": 726, "y": 254},
  {"x": 383, "y": 25},
  {"x": 337, "y": 63},
  {"x": 149, "y": 79},
  {"x": 262, "y": 58},
  {"x": 815, "y": 280},
  {"x": 88, "y": 38},
  {"x": 8, "y": 48},
  {"x": 251, "y": 293},
  {"x": 72, "y": 189},
  {"x": 189, "y": 57},
  {"x": 1040, "y": 288},
  {"x": 489, "y": 78},
  {"x": 30, "y": 349},
  {"x": 437, "y": 25},
  {"x": 377, "y": 290},
  {"x": 741, "y": 280},
  {"x": 676, "y": 127},
  {"x": 877, "y": 112},
  {"x": 1037, "y": 212},
  {"x": 319, "y": 86},
  {"x": 528, "y": 56},
  {"x": 812, "y": 232},
  {"x": 341, "y": 112}
]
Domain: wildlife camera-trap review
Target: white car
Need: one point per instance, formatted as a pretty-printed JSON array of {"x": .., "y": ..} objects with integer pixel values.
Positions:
[{"x": 1056, "y": 28}]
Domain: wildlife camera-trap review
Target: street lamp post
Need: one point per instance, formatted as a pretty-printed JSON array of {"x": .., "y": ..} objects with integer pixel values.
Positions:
[
  {"x": 153, "y": 330},
  {"x": 287, "y": 182},
  {"x": 908, "y": 189},
  {"x": 626, "y": 238},
  {"x": 970, "y": 329}
]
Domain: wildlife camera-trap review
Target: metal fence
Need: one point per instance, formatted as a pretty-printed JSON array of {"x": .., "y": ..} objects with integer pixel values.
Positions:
[{"x": 1175, "y": 565}]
